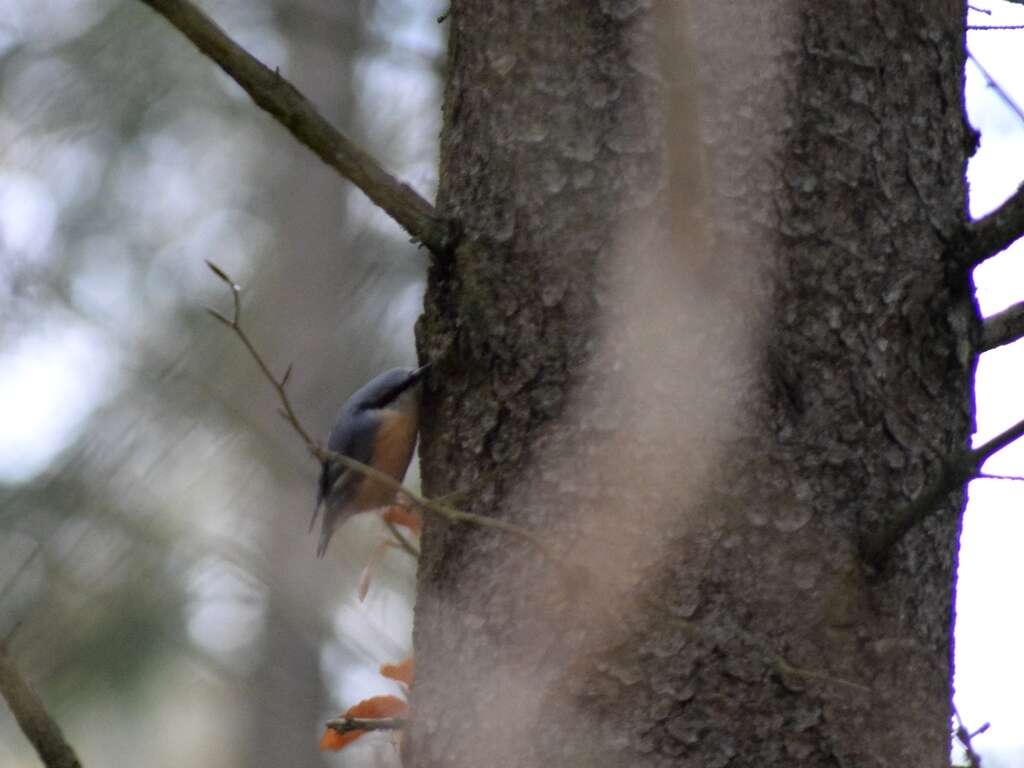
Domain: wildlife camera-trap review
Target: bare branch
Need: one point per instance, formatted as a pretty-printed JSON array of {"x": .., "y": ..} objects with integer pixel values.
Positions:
[
  {"x": 436, "y": 507},
  {"x": 291, "y": 109},
  {"x": 35, "y": 722},
  {"x": 990, "y": 234},
  {"x": 973, "y": 27},
  {"x": 349, "y": 724},
  {"x": 1003, "y": 327},
  {"x": 956, "y": 471}
]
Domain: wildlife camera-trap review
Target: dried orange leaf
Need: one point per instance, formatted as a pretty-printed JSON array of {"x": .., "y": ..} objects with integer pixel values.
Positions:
[
  {"x": 332, "y": 741},
  {"x": 404, "y": 516},
  {"x": 374, "y": 707},
  {"x": 378, "y": 706},
  {"x": 401, "y": 672}
]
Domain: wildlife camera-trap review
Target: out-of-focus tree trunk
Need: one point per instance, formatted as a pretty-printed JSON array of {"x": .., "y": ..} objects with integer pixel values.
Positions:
[
  {"x": 701, "y": 390},
  {"x": 285, "y": 696}
]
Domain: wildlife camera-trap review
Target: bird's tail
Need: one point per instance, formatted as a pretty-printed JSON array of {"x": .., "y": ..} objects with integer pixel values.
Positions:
[
  {"x": 322, "y": 489},
  {"x": 316, "y": 514},
  {"x": 325, "y": 537}
]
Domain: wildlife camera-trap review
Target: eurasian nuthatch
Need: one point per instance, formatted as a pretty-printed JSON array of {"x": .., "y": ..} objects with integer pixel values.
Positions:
[{"x": 377, "y": 426}]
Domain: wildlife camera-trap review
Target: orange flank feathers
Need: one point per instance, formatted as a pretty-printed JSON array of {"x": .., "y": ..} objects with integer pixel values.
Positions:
[
  {"x": 401, "y": 672},
  {"x": 404, "y": 516},
  {"x": 367, "y": 709}
]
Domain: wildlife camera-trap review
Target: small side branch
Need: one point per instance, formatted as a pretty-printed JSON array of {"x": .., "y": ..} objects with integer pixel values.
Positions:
[
  {"x": 984, "y": 238},
  {"x": 291, "y": 109},
  {"x": 35, "y": 722},
  {"x": 349, "y": 724},
  {"x": 989, "y": 235},
  {"x": 964, "y": 736},
  {"x": 1003, "y": 327},
  {"x": 955, "y": 472}
]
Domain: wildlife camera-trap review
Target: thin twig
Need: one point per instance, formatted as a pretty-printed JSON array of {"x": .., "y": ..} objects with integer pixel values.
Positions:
[
  {"x": 995, "y": 86},
  {"x": 973, "y": 27},
  {"x": 452, "y": 515},
  {"x": 449, "y": 513},
  {"x": 1003, "y": 327},
  {"x": 287, "y": 412},
  {"x": 296, "y": 113},
  {"x": 964, "y": 736},
  {"x": 986, "y": 11},
  {"x": 956, "y": 471},
  {"x": 987, "y": 476},
  {"x": 463, "y": 493},
  {"x": 35, "y": 722},
  {"x": 349, "y": 724}
]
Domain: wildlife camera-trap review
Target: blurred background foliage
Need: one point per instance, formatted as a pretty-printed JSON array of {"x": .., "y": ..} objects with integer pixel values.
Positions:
[{"x": 156, "y": 578}]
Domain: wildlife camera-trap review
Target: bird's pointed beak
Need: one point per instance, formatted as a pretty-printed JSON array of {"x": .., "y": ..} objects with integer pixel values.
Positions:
[{"x": 420, "y": 372}]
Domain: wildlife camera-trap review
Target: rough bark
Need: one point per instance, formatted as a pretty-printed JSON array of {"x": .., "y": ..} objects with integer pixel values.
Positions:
[{"x": 703, "y": 410}]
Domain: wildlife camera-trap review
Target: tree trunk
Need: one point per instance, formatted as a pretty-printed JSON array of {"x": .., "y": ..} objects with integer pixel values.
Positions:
[
  {"x": 284, "y": 697},
  {"x": 702, "y": 370}
]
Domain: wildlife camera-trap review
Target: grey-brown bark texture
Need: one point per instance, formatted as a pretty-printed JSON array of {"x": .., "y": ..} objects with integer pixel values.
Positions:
[{"x": 701, "y": 390}]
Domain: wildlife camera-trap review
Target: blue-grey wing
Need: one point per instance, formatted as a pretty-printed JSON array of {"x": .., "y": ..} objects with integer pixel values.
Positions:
[{"x": 351, "y": 436}]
